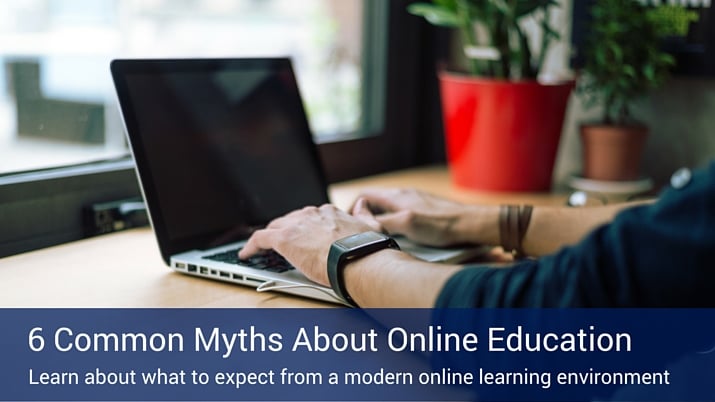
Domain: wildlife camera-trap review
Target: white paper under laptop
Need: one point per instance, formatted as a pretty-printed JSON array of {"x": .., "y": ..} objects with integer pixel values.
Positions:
[{"x": 222, "y": 146}]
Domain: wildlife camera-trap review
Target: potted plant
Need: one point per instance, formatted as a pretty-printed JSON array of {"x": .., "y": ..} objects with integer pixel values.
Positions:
[
  {"x": 624, "y": 62},
  {"x": 502, "y": 125}
]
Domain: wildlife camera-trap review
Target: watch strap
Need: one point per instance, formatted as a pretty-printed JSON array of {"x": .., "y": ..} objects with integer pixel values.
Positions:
[{"x": 350, "y": 248}]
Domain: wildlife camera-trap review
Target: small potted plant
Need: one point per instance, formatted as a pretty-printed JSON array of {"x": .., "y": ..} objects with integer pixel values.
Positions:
[
  {"x": 623, "y": 62},
  {"x": 502, "y": 125}
]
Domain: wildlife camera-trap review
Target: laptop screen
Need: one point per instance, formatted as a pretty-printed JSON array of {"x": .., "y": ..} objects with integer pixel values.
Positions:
[{"x": 221, "y": 146}]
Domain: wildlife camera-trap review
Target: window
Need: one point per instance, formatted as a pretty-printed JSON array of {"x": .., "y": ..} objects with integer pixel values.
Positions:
[
  {"x": 360, "y": 65},
  {"x": 57, "y": 105}
]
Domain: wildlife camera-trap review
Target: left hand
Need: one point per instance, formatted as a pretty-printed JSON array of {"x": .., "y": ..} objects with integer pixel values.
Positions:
[
  {"x": 304, "y": 237},
  {"x": 420, "y": 216}
]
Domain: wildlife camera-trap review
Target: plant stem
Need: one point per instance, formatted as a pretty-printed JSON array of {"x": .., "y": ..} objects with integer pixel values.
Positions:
[
  {"x": 468, "y": 34},
  {"x": 608, "y": 104},
  {"x": 524, "y": 53},
  {"x": 545, "y": 39},
  {"x": 501, "y": 39}
]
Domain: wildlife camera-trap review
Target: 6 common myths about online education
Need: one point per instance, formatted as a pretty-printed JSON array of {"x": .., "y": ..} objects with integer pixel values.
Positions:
[{"x": 313, "y": 339}]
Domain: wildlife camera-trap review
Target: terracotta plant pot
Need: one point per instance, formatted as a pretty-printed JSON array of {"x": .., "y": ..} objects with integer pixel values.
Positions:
[
  {"x": 612, "y": 153},
  {"x": 502, "y": 135}
]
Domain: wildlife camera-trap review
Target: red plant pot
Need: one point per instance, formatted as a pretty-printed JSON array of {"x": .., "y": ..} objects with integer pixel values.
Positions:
[{"x": 502, "y": 135}]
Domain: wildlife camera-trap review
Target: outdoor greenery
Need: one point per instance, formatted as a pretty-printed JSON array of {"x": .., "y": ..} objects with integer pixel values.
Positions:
[
  {"x": 624, "y": 60},
  {"x": 492, "y": 31}
]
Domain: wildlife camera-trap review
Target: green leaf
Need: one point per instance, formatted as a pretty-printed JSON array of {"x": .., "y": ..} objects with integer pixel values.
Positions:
[
  {"x": 616, "y": 52},
  {"x": 447, "y": 4},
  {"x": 629, "y": 71},
  {"x": 666, "y": 59},
  {"x": 526, "y": 7},
  {"x": 503, "y": 7},
  {"x": 550, "y": 31},
  {"x": 600, "y": 57},
  {"x": 649, "y": 72},
  {"x": 435, "y": 14}
]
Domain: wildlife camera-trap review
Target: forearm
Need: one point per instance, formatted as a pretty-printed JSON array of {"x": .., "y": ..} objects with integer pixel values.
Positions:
[
  {"x": 551, "y": 228},
  {"x": 390, "y": 278}
]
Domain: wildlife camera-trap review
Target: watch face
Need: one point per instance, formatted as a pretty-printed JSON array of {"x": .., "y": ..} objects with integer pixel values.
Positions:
[{"x": 361, "y": 239}]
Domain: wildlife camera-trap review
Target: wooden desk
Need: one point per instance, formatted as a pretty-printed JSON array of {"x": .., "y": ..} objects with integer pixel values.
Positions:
[{"x": 125, "y": 269}]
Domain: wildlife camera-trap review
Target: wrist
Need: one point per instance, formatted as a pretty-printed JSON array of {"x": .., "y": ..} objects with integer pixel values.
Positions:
[
  {"x": 391, "y": 278},
  {"x": 478, "y": 224}
]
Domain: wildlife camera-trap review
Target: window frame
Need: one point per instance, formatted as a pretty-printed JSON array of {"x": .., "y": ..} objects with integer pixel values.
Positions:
[
  {"x": 409, "y": 104},
  {"x": 43, "y": 208}
]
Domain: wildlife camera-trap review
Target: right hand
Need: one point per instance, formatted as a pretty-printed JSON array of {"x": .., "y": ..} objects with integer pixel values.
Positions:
[
  {"x": 419, "y": 216},
  {"x": 303, "y": 237}
]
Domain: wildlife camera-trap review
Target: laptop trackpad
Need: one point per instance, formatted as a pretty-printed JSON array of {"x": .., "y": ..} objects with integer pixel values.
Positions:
[{"x": 441, "y": 254}]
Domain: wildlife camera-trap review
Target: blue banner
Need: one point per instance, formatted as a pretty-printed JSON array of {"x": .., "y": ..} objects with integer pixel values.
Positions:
[{"x": 346, "y": 354}]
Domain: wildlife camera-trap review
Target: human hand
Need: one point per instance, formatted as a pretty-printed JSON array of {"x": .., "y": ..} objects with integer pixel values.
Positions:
[
  {"x": 303, "y": 237},
  {"x": 422, "y": 217}
]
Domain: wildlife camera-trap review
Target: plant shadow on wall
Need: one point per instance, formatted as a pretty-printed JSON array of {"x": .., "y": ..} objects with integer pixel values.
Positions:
[
  {"x": 502, "y": 124},
  {"x": 624, "y": 62}
]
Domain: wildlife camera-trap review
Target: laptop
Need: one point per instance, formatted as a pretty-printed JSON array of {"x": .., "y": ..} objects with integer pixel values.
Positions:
[{"x": 222, "y": 147}]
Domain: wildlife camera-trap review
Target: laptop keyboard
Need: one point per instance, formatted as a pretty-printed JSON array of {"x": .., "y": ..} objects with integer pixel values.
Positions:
[{"x": 270, "y": 261}]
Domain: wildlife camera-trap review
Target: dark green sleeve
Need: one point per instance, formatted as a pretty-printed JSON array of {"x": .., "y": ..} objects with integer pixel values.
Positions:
[{"x": 657, "y": 255}]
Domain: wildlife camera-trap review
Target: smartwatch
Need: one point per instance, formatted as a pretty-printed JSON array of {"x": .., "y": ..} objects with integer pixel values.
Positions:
[{"x": 350, "y": 248}]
